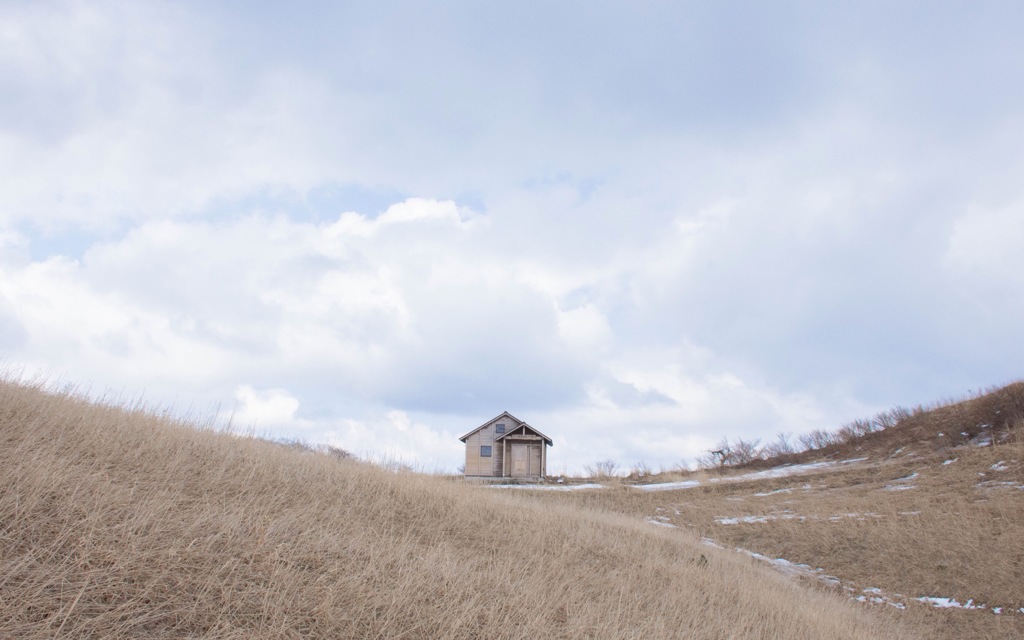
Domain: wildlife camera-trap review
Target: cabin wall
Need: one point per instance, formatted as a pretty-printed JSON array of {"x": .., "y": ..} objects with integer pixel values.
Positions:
[{"x": 477, "y": 465}]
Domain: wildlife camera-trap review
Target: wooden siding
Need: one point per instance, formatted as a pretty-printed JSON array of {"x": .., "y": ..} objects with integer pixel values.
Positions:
[{"x": 477, "y": 465}]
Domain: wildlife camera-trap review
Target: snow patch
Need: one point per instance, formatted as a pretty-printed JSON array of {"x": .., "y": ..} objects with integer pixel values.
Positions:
[
  {"x": 949, "y": 603},
  {"x": 993, "y": 484},
  {"x": 902, "y": 487},
  {"x": 899, "y": 487},
  {"x": 772, "y": 493},
  {"x": 752, "y": 519},
  {"x": 874, "y": 595},
  {"x": 775, "y": 472},
  {"x": 547, "y": 487},
  {"x": 668, "y": 486},
  {"x": 661, "y": 521}
]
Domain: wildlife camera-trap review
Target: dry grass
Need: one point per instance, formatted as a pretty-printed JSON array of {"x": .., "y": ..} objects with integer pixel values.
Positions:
[
  {"x": 120, "y": 524},
  {"x": 899, "y": 521}
]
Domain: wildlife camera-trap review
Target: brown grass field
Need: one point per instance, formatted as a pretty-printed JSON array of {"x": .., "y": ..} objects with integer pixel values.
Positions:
[
  {"x": 918, "y": 514},
  {"x": 119, "y": 523}
]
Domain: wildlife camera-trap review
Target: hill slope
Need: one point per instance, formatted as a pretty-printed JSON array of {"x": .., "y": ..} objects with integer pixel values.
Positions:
[
  {"x": 927, "y": 514},
  {"x": 121, "y": 524}
]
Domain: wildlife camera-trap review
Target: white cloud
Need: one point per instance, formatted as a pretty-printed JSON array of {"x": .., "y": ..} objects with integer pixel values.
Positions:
[
  {"x": 395, "y": 438},
  {"x": 585, "y": 328},
  {"x": 985, "y": 246},
  {"x": 623, "y": 232},
  {"x": 263, "y": 410}
]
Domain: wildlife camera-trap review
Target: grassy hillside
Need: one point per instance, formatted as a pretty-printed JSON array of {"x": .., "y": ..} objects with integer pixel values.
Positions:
[
  {"x": 931, "y": 507},
  {"x": 121, "y": 524}
]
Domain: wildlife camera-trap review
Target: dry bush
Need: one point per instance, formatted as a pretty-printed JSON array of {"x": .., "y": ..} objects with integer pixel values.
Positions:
[
  {"x": 640, "y": 471},
  {"x": 117, "y": 524},
  {"x": 782, "y": 446},
  {"x": 602, "y": 469},
  {"x": 818, "y": 439},
  {"x": 744, "y": 452},
  {"x": 731, "y": 454}
]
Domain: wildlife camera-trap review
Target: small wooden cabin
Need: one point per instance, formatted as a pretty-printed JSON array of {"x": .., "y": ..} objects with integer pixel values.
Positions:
[{"x": 506, "y": 447}]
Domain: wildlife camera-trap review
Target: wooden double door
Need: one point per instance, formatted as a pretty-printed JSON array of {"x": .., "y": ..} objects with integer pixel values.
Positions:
[{"x": 525, "y": 460}]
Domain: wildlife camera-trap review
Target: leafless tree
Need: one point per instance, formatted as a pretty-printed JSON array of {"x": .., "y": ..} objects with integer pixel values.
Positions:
[{"x": 602, "y": 469}]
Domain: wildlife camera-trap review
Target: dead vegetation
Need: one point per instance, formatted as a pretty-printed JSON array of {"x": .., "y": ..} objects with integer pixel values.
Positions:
[
  {"x": 993, "y": 415},
  {"x": 933, "y": 506},
  {"x": 117, "y": 524}
]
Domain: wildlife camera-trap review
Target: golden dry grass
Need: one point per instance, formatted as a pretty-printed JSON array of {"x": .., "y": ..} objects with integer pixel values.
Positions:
[
  {"x": 914, "y": 518},
  {"x": 119, "y": 524}
]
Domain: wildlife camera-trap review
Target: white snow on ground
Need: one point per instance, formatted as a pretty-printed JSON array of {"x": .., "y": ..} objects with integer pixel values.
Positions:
[
  {"x": 899, "y": 487},
  {"x": 775, "y": 472},
  {"x": 949, "y": 603},
  {"x": 756, "y": 519},
  {"x": 950, "y": 461},
  {"x": 772, "y": 493},
  {"x": 666, "y": 486},
  {"x": 993, "y": 484},
  {"x": 999, "y": 466},
  {"x": 857, "y": 516},
  {"x": 874, "y": 595},
  {"x": 783, "y": 565},
  {"x": 902, "y": 487},
  {"x": 547, "y": 487},
  {"x": 661, "y": 521},
  {"x": 791, "y": 516}
]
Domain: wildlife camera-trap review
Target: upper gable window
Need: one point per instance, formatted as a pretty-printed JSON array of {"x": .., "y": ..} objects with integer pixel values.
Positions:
[{"x": 499, "y": 428}]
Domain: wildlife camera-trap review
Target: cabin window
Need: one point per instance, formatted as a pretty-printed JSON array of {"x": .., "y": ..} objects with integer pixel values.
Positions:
[
  {"x": 485, "y": 451},
  {"x": 499, "y": 428}
]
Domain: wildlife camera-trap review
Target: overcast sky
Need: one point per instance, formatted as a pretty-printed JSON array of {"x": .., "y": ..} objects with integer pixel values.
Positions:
[{"x": 638, "y": 226}]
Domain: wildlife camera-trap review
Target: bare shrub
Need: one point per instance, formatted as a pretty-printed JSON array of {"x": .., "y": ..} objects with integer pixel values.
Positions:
[
  {"x": 602, "y": 469},
  {"x": 745, "y": 452},
  {"x": 847, "y": 433},
  {"x": 720, "y": 456},
  {"x": 337, "y": 452},
  {"x": 900, "y": 413},
  {"x": 706, "y": 461},
  {"x": 818, "y": 439},
  {"x": 782, "y": 446},
  {"x": 640, "y": 470},
  {"x": 884, "y": 420},
  {"x": 727, "y": 454}
]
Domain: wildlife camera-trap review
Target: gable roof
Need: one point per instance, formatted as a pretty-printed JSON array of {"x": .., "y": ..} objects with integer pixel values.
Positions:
[
  {"x": 508, "y": 432},
  {"x": 504, "y": 414},
  {"x": 519, "y": 423}
]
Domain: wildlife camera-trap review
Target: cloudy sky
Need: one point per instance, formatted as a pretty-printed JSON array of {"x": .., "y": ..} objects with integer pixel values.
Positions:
[{"x": 638, "y": 226}]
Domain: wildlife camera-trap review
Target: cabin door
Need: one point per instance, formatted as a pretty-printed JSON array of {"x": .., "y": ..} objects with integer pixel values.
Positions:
[{"x": 520, "y": 460}]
